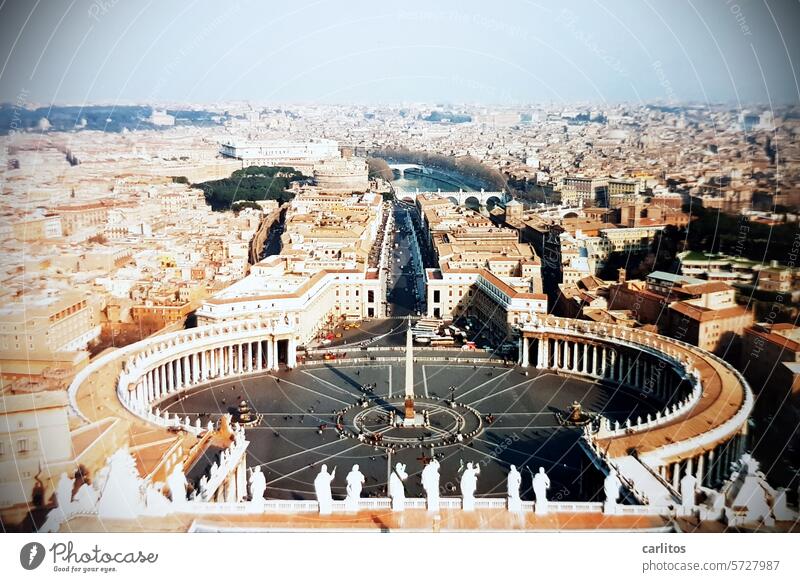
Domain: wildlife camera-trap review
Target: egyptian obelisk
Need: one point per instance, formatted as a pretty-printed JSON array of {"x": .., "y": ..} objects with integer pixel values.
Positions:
[{"x": 409, "y": 402}]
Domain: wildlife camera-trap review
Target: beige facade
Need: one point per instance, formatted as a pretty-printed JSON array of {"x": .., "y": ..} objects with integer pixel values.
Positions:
[
  {"x": 50, "y": 322},
  {"x": 331, "y": 267},
  {"x": 34, "y": 434}
]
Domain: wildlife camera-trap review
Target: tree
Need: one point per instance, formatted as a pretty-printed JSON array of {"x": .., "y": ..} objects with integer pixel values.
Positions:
[
  {"x": 252, "y": 183},
  {"x": 378, "y": 168}
]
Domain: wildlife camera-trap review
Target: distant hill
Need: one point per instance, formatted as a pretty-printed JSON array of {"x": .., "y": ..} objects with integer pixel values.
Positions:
[{"x": 95, "y": 117}]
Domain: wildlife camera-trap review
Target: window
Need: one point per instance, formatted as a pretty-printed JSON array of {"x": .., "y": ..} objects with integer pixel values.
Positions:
[{"x": 23, "y": 446}]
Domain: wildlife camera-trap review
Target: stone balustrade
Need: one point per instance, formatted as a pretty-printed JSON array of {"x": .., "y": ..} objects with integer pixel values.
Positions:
[
  {"x": 660, "y": 418},
  {"x": 226, "y": 478}
]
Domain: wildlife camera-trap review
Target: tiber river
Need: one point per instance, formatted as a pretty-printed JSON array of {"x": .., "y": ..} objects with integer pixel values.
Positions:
[{"x": 431, "y": 182}]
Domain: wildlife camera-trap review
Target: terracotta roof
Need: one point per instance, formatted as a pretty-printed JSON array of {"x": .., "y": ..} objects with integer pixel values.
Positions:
[
  {"x": 775, "y": 338},
  {"x": 705, "y": 314}
]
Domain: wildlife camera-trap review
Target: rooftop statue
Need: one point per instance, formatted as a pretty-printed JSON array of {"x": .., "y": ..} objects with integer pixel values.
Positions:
[
  {"x": 513, "y": 485},
  {"x": 541, "y": 483},
  {"x": 355, "y": 481},
  {"x": 397, "y": 490},
  {"x": 322, "y": 487},
  {"x": 430, "y": 483}
]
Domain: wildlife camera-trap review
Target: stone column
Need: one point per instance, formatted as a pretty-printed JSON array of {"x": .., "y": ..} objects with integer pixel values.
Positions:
[
  {"x": 676, "y": 475},
  {"x": 160, "y": 382},
  {"x": 544, "y": 360},
  {"x": 701, "y": 466},
  {"x": 269, "y": 353},
  {"x": 526, "y": 361},
  {"x": 144, "y": 385},
  {"x": 147, "y": 394},
  {"x": 291, "y": 356},
  {"x": 556, "y": 353},
  {"x": 575, "y": 357},
  {"x": 181, "y": 370},
  {"x": 259, "y": 356},
  {"x": 240, "y": 358},
  {"x": 584, "y": 367},
  {"x": 151, "y": 388},
  {"x": 603, "y": 361}
]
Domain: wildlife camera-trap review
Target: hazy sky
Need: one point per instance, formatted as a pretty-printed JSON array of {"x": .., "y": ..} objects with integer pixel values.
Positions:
[{"x": 341, "y": 51}]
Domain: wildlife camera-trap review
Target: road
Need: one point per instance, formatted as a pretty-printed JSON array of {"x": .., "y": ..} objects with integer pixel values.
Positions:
[{"x": 404, "y": 293}]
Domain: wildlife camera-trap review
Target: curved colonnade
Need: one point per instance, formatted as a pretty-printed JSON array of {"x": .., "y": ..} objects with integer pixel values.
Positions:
[
  {"x": 158, "y": 367},
  {"x": 701, "y": 427}
]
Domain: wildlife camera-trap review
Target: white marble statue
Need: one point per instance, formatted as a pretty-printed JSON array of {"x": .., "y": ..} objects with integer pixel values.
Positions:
[
  {"x": 747, "y": 495},
  {"x": 611, "y": 487},
  {"x": 155, "y": 500},
  {"x": 469, "y": 483},
  {"x": 355, "y": 481},
  {"x": 541, "y": 483},
  {"x": 85, "y": 499},
  {"x": 397, "y": 490},
  {"x": 122, "y": 494},
  {"x": 322, "y": 487},
  {"x": 202, "y": 489},
  {"x": 688, "y": 491},
  {"x": 430, "y": 483},
  {"x": 64, "y": 494},
  {"x": 64, "y": 505},
  {"x": 176, "y": 481},
  {"x": 258, "y": 485},
  {"x": 513, "y": 485}
]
